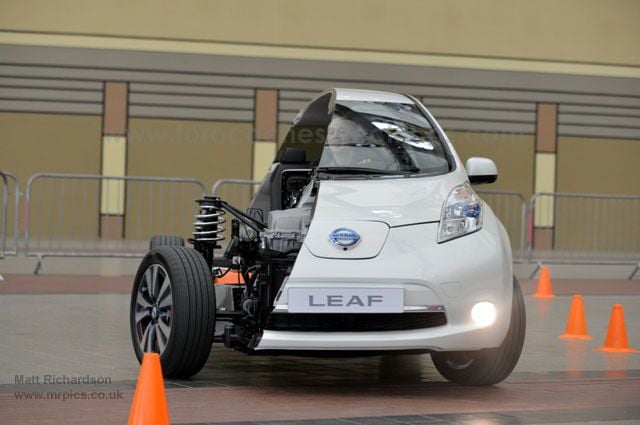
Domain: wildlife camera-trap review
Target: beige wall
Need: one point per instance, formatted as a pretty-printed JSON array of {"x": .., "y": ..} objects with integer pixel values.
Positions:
[
  {"x": 283, "y": 129},
  {"x": 597, "y": 225},
  {"x": 204, "y": 150},
  {"x": 598, "y": 165},
  {"x": 568, "y": 30},
  {"x": 512, "y": 153},
  {"x": 561, "y": 38},
  {"x": 32, "y": 143},
  {"x": 594, "y": 165},
  {"x": 49, "y": 143}
]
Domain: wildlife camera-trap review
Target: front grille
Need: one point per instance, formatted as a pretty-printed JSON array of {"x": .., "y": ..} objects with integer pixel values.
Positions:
[{"x": 364, "y": 322}]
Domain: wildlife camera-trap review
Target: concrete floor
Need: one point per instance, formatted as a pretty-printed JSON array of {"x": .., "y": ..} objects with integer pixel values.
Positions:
[{"x": 78, "y": 334}]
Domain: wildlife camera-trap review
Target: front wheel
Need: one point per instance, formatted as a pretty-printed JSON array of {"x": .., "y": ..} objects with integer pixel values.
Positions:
[
  {"x": 162, "y": 240},
  {"x": 492, "y": 365},
  {"x": 173, "y": 309}
]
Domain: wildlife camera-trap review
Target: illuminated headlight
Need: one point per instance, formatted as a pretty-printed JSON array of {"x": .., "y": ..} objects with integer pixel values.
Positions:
[
  {"x": 461, "y": 213},
  {"x": 484, "y": 313}
]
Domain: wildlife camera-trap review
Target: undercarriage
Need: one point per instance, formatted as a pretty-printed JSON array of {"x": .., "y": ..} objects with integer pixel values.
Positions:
[{"x": 250, "y": 271}]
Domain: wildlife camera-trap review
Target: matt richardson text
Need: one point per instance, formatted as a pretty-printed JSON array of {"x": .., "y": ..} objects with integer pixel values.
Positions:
[{"x": 62, "y": 380}]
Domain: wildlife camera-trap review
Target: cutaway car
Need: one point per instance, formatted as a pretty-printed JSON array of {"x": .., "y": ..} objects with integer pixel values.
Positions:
[{"x": 365, "y": 237}]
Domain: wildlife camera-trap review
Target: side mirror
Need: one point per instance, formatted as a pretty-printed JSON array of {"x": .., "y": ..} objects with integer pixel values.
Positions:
[{"x": 481, "y": 170}]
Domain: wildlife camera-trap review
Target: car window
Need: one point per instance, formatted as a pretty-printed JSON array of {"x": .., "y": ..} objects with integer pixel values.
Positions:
[{"x": 382, "y": 136}]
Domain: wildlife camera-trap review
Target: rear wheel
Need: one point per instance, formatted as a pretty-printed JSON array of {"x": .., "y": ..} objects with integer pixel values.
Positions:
[
  {"x": 173, "y": 309},
  {"x": 489, "y": 366},
  {"x": 162, "y": 240}
]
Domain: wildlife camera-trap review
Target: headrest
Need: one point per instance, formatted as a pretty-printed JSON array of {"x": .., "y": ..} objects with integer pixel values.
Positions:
[{"x": 293, "y": 156}]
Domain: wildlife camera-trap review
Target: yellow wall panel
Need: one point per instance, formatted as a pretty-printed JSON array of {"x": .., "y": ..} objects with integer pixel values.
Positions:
[
  {"x": 283, "y": 129},
  {"x": 545, "y": 172},
  {"x": 263, "y": 154},
  {"x": 114, "y": 156},
  {"x": 545, "y": 181}
]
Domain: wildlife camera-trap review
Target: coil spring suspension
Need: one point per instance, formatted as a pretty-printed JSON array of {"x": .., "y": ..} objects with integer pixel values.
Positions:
[{"x": 208, "y": 227}]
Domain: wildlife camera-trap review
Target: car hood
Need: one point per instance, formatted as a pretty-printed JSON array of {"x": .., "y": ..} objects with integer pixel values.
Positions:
[
  {"x": 395, "y": 201},
  {"x": 367, "y": 209}
]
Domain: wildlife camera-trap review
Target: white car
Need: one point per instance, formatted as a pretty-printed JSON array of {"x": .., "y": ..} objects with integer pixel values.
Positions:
[{"x": 365, "y": 237}]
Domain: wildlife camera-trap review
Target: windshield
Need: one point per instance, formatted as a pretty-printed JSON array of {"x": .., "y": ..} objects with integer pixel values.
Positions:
[{"x": 382, "y": 138}]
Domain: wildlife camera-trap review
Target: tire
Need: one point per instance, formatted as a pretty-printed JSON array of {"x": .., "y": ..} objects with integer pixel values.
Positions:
[
  {"x": 174, "y": 317},
  {"x": 492, "y": 365},
  {"x": 162, "y": 240}
]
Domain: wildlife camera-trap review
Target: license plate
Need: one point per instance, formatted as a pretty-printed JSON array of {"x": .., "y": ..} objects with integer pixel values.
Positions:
[{"x": 346, "y": 300}]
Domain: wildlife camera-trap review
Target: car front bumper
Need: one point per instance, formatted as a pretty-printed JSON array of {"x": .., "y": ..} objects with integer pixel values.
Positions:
[{"x": 454, "y": 275}]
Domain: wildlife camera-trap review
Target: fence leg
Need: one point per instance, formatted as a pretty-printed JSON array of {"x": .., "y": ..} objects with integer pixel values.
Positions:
[
  {"x": 538, "y": 266},
  {"x": 40, "y": 266},
  {"x": 634, "y": 271}
]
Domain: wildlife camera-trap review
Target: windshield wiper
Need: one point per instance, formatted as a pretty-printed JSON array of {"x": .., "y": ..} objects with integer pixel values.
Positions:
[{"x": 359, "y": 170}]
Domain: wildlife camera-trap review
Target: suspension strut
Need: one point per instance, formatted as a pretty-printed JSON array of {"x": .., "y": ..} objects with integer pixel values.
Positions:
[{"x": 208, "y": 229}]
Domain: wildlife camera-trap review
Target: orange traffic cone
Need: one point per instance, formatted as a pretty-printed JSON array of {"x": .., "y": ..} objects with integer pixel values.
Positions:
[
  {"x": 616, "y": 341},
  {"x": 576, "y": 324},
  {"x": 544, "y": 285},
  {"x": 149, "y": 405}
]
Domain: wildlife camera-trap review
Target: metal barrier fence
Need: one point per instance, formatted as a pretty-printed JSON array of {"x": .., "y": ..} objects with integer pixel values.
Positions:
[
  {"x": 584, "y": 228},
  {"x": 237, "y": 192},
  {"x": 85, "y": 215},
  {"x": 511, "y": 209},
  {"x": 9, "y": 214}
]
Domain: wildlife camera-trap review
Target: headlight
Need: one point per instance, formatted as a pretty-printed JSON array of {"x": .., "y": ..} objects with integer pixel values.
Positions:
[{"x": 461, "y": 213}]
